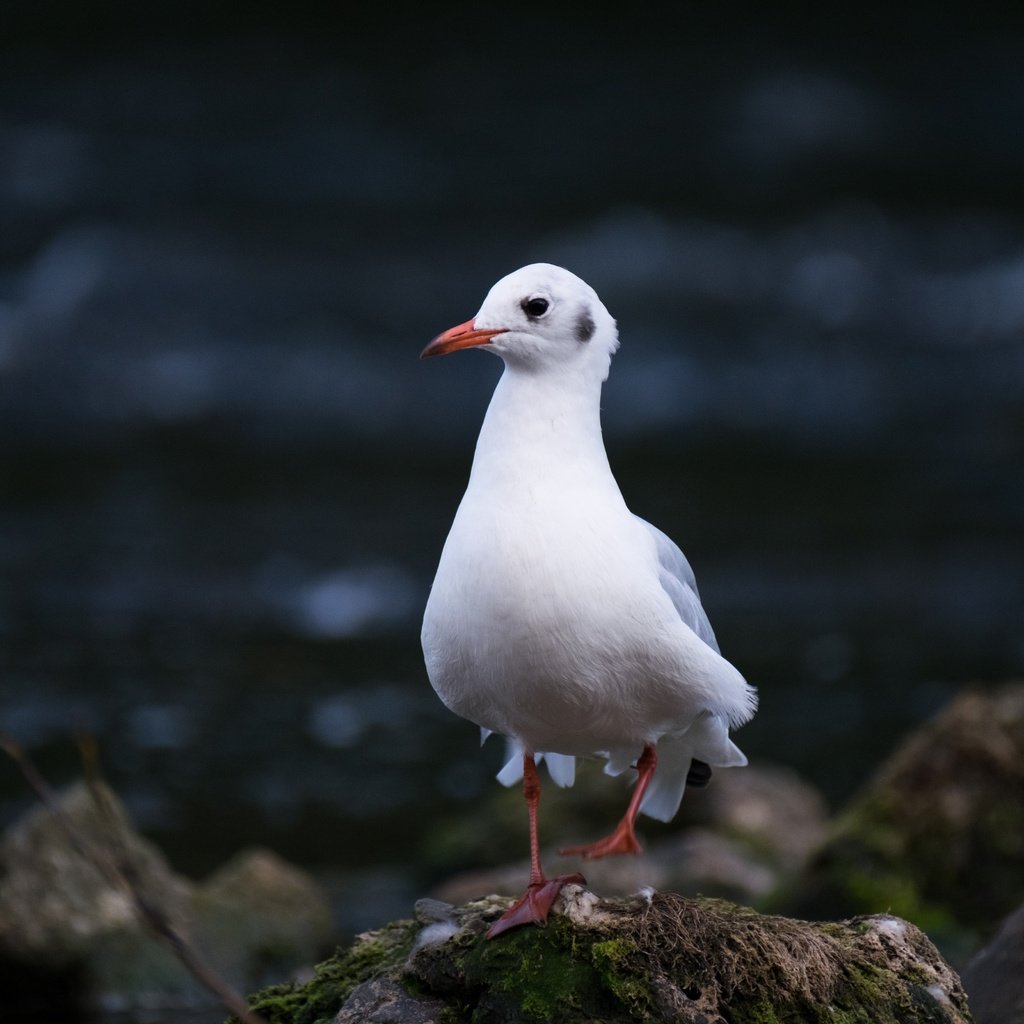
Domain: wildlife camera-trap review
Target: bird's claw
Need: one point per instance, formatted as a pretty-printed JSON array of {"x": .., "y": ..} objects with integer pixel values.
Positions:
[
  {"x": 623, "y": 840},
  {"x": 534, "y": 905}
]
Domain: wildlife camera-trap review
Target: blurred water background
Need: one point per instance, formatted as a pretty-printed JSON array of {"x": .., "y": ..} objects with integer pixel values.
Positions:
[{"x": 226, "y": 232}]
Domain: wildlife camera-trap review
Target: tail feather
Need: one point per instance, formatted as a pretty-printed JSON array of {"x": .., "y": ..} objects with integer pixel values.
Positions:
[
  {"x": 561, "y": 767},
  {"x": 683, "y": 760},
  {"x": 665, "y": 793},
  {"x": 688, "y": 759}
]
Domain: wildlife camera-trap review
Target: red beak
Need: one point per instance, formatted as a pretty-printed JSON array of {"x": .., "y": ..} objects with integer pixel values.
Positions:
[{"x": 465, "y": 335}]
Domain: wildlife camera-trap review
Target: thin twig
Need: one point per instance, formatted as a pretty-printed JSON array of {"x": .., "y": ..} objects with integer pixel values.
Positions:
[{"x": 120, "y": 870}]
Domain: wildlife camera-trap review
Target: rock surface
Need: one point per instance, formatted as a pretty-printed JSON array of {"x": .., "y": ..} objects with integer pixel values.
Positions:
[
  {"x": 937, "y": 836},
  {"x": 657, "y": 959},
  {"x": 995, "y": 977},
  {"x": 255, "y": 920}
]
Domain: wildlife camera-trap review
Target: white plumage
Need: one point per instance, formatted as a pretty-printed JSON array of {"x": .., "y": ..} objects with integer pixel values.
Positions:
[{"x": 557, "y": 618}]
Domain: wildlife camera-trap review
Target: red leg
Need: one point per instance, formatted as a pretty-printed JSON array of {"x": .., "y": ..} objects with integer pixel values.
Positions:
[
  {"x": 541, "y": 892},
  {"x": 623, "y": 838}
]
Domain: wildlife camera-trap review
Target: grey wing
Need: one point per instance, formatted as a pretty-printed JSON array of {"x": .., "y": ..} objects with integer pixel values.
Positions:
[{"x": 679, "y": 583}]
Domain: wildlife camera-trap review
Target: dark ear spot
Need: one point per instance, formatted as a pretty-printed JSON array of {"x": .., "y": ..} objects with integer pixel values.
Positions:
[{"x": 584, "y": 325}]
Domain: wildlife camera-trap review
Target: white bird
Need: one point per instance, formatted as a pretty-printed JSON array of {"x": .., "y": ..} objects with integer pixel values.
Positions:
[{"x": 557, "y": 618}]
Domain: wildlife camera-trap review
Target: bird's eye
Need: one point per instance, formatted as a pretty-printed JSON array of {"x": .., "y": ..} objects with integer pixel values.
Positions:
[{"x": 535, "y": 307}]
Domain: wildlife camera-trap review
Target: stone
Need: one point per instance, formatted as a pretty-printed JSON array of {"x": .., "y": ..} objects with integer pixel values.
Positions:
[
  {"x": 55, "y": 901},
  {"x": 937, "y": 835},
  {"x": 657, "y": 958},
  {"x": 254, "y": 920},
  {"x": 384, "y": 1001},
  {"x": 994, "y": 979}
]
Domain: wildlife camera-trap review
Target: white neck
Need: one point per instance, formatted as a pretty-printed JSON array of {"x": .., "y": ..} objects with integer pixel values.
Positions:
[{"x": 539, "y": 426}]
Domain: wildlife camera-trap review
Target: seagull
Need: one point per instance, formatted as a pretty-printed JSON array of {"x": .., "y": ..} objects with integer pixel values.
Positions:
[{"x": 557, "y": 618}]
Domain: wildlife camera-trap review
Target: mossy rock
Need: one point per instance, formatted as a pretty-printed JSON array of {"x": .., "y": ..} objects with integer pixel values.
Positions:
[
  {"x": 65, "y": 919},
  {"x": 657, "y": 959},
  {"x": 937, "y": 836}
]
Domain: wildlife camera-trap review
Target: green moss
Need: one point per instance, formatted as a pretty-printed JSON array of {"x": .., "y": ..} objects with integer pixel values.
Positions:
[
  {"x": 616, "y": 962},
  {"x": 762, "y": 1012},
  {"x": 538, "y": 975},
  {"x": 866, "y": 985},
  {"x": 319, "y": 999}
]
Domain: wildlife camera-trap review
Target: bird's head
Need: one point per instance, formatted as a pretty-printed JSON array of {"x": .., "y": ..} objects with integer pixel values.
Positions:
[{"x": 540, "y": 318}]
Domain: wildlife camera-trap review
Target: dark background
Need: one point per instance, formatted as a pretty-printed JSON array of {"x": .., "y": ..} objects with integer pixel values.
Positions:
[{"x": 226, "y": 232}]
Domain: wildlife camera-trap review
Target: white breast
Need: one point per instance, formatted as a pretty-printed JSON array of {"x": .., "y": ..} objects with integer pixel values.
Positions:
[{"x": 547, "y": 623}]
